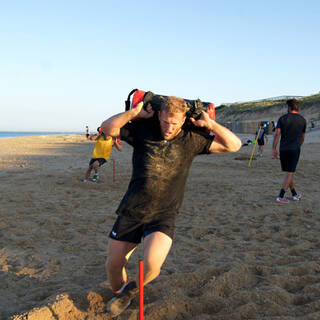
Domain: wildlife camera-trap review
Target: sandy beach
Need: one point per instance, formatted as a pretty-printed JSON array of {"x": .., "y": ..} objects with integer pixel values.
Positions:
[{"x": 237, "y": 254}]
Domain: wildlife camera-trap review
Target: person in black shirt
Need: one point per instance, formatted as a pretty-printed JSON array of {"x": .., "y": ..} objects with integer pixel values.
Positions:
[
  {"x": 291, "y": 127},
  {"x": 164, "y": 145},
  {"x": 260, "y": 138}
]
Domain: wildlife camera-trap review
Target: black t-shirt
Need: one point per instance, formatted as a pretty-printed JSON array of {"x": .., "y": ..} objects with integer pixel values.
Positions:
[
  {"x": 160, "y": 168},
  {"x": 292, "y": 126}
]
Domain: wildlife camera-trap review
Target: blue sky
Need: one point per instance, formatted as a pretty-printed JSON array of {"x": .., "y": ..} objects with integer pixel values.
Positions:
[{"x": 66, "y": 64}]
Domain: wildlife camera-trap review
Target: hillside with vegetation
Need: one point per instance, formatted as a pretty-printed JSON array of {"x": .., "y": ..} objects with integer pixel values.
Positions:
[{"x": 267, "y": 110}]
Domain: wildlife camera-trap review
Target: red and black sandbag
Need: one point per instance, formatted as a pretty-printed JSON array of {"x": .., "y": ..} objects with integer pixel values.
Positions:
[{"x": 155, "y": 100}]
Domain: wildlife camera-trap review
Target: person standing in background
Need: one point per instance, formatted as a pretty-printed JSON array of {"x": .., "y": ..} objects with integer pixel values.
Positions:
[
  {"x": 291, "y": 127},
  {"x": 260, "y": 135},
  {"x": 87, "y": 132}
]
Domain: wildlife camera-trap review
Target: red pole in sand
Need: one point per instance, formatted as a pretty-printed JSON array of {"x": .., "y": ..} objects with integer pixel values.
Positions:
[
  {"x": 114, "y": 171},
  {"x": 140, "y": 290}
]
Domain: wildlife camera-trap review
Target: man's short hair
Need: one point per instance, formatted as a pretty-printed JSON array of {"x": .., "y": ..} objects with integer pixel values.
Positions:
[
  {"x": 174, "y": 105},
  {"x": 293, "y": 104}
]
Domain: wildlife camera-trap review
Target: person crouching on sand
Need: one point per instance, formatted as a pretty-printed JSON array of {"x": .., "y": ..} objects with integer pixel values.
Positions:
[
  {"x": 163, "y": 150},
  {"x": 101, "y": 153}
]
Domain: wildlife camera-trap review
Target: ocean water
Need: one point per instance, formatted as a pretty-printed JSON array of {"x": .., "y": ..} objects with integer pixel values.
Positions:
[{"x": 13, "y": 134}]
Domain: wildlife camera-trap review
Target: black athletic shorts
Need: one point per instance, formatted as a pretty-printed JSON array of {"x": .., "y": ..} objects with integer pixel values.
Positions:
[
  {"x": 128, "y": 229},
  {"x": 100, "y": 160},
  {"x": 261, "y": 142},
  {"x": 289, "y": 160}
]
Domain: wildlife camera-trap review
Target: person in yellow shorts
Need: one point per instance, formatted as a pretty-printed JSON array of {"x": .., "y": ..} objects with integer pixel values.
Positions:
[{"x": 101, "y": 153}]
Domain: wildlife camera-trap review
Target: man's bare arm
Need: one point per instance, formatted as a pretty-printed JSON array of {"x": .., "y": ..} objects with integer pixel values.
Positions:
[
  {"x": 275, "y": 143},
  {"x": 118, "y": 145},
  {"x": 111, "y": 127},
  {"x": 302, "y": 138},
  {"x": 224, "y": 141}
]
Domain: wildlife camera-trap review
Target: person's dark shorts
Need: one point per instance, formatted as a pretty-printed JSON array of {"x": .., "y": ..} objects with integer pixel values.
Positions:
[
  {"x": 261, "y": 142},
  {"x": 289, "y": 160},
  {"x": 100, "y": 160},
  {"x": 128, "y": 229}
]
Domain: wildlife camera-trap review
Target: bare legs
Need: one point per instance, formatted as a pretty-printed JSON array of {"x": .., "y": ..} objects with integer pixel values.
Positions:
[
  {"x": 156, "y": 248},
  {"x": 119, "y": 253},
  {"x": 94, "y": 166},
  {"x": 288, "y": 181}
]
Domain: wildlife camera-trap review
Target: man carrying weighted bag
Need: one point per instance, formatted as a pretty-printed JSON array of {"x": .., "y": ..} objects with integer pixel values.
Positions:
[{"x": 163, "y": 150}]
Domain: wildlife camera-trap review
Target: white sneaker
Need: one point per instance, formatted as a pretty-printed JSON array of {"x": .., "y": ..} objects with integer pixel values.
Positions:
[
  {"x": 297, "y": 197},
  {"x": 282, "y": 200},
  {"x": 95, "y": 178},
  {"x": 84, "y": 180}
]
